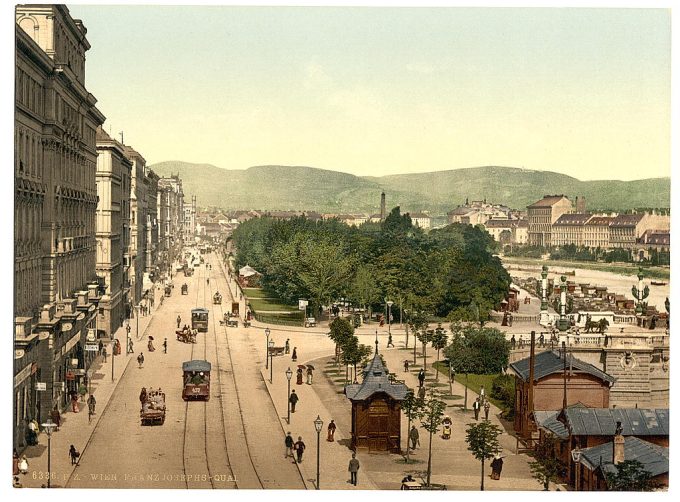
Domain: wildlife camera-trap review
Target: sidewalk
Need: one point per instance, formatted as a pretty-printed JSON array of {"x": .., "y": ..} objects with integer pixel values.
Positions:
[{"x": 75, "y": 428}]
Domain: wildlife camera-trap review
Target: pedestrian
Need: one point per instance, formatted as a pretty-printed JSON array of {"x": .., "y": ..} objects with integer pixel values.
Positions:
[
  {"x": 414, "y": 437},
  {"x": 406, "y": 365},
  {"x": 131, "y": 349},
  {"x": 487, "y": 407},
  {"x": 299, "y": 448},
  {"x": 421, "y": 393},
  {"x": 104, "y": 353},
  {"x": 421, "y": 376},
  {"x": 289, "y": 445},
  {"x": 389, "y": 344},
  {"x": 91, "y": 403},
  {"x": 299, "y": 376},
  {"x": 293, "y": 399},
  {"x": 74, "y": 402},
  {"x": 128, "y": 329},
  {"x": 179, "y": 321},
  {"x": 143, "y": 396},
  {"x": 56, "y": 416},
  {"x": 73, "y": 453},
  {"x": 475, "y": 408},
  {"x": 541, "y": 339},
  {"x": 331, "y": 431},
  {"x": 496, "y": 466},
  {"x": 140, "y": 359},
  {"x": 165, "y": 346},
  {"x": 23, "y": 465},
  {"x": 15, "y": 463},
  {"x": 294, "y": 356},
  {"x": 513, "y": 342},
  {"x": 310, "y": 375},
  {"x": 353, "y": 469},
  {"x": 287, "y": 345},
  {"x": 101, "y": 346}
]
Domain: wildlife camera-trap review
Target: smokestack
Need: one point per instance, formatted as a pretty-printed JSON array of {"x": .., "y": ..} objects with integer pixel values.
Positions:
[
  {"x": 382, "y": 206},
  {"x": 564, "y": 371},
  {"x": 532, "y": 363},
  {"x": 618, "y": 454}
]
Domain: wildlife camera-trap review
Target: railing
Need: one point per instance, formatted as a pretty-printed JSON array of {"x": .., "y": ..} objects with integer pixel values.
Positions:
[{"x": 613, "y": 341}]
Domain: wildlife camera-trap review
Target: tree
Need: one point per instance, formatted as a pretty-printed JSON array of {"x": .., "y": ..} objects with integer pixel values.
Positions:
[
  {"x": 424, "y": 336},
  {"x": 417, "y": 321},
  {"x": 439, "y": 340},
  {"x": 630, "y": 476},
  {"x": 354, "y": 353},
  {"x": 433, "y": 412},
  {"x": 547, "y": 466},
  {"x": 482, "y": 440},
  {"x": 412, "y": 408},
  {"x": 341, "y": 331},
  {"x": 363, "y": 289},
  {"x": 489, "y": 350}
]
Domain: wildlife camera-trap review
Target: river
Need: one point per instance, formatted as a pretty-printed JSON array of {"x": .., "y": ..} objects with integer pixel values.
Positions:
[{"x": 617, "y": 283}]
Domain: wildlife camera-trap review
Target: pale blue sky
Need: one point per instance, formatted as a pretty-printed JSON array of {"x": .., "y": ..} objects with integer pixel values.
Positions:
[{"x": 387, "y": 90}]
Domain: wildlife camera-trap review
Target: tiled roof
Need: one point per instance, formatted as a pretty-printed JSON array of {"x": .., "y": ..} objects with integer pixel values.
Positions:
[
  {"x": 654, "y": 458},
  {"x": 548, "y": 201},
  {"x": 655, "y": 237},
  {"x": 626, "y": 220},
  {"x": 602, "y": 421},
  {"x": 419, "y": 215},
  {"x": 549, "y": 362},
  {"x": 461, "y": 211},
  {"x": 376, "y": 379},
  {"x": 102, "y": 135},
  {"x": 573, "y": 219},
  {"x": 600, "y": 220},
  {"x": 548, "y": 420},
  {"x": 522, "y": 224}
]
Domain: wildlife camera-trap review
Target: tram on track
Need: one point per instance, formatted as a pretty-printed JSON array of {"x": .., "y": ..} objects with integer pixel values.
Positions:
[
  {"x": 199, "y": 319},
  {"x": 196, "y": 380}
]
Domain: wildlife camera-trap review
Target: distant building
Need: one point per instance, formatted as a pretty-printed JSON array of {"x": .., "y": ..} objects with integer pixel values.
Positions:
[
  {"x": 508, "y": 231},
  {"x": 626, "y": 229},
  {"x": 542, "y": 215},
  {"x": 421, "y": 220},
  {"x": 596, "y": 232},
  {"x": 569, "y": 229},
  {"x": 478, "y": 212}
]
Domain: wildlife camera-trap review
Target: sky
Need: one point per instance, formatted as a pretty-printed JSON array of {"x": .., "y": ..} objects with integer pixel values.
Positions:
[{"x": 380, "y": 90}]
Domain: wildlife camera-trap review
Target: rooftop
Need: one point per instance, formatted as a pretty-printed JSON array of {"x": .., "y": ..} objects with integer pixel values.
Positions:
[
  {"x": 573, "y": 219},
  {"x": 550, "y": 362},
  {"x": 376, "y": 379},
  {"x": 602, "y": 421},
  {"x": 626, "y": 220},
  {"x": 654, "y": 458},
  {"x": 548, "y": 201}
]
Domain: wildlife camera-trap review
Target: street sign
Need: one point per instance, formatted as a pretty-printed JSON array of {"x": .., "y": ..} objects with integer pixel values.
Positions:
[
  {"x": 302, "y": 304},
  {"x": 91, "y": 347},
  {"x": 40, "y": 386}
]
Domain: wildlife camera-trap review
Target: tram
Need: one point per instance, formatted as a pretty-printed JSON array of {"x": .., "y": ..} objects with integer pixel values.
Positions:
[
  {"x": 196, "y": 380},
  {"x": 199, "y": 319}
]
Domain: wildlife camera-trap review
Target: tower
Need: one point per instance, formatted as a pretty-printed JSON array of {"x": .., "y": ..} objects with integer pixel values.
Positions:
[{"x": 382, "y": 206}]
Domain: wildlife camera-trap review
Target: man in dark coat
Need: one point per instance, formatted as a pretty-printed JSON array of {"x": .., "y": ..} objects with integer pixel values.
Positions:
[
  {"x": 475, "y": 407},
  {"x": 353, "y": 469},
  {"x": 293, "y": 400},
  {"x": 421, "y": 376},
  {"x": 299, "y": 448},
  {"x": 289, "y": 446}
]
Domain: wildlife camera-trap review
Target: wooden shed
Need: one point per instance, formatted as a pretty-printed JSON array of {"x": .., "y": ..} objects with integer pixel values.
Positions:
[{"x": 376, "y": 409}]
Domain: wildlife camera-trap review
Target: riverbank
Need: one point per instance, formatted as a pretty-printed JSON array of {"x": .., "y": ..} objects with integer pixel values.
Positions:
[{"x": 613, "y": 268}]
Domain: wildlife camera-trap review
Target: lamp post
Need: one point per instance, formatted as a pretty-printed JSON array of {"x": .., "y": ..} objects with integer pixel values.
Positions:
[
  {"x": 289, "y": 375},
  {"x": 137, "y": 316},
  {"x": 271, "y": 364},
  {"x": 49, "y": 426},
  {"x": 318, "y": 425},
  {"x": 576, "y": 457},
  {"x": 113, "y": 356},
  {"x": 389, "y": 316},
  {"x": 266, "y": 347}
]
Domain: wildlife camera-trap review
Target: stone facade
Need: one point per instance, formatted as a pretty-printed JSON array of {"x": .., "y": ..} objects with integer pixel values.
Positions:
[
  {"x": 542, "y": 215},
  {"x": 569, "y": 229},
  {"x": 138, "y": 235},
  {"x": 170, "y": 220},
  {"x": 55, "y": 196}
]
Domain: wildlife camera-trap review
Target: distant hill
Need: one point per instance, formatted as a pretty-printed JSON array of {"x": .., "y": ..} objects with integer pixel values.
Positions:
[{"x": 309, "y": 188}]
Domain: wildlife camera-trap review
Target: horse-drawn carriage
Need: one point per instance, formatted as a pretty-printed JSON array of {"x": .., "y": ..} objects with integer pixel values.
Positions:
[
  {"x": 196, "y": 380},
  {"x": 168, "y": 290},
  {"x": 153, "y": 407},
  {"x": 185, "y": 289},
  {"x": 217, "y": 298},
  {"x": 185, "y": 336}
]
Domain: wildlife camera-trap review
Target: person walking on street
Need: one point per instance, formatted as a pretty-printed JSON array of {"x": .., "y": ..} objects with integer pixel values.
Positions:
[
  {"x": 289, "y": 445},
  {"x": 487, "y": 407},
  {"x": 405, "y": 364},
  {"x": 513, "y": 342},
  {"x": 389, "y": 344},
  {"x": 128, "y": 329},
  {"x": 74, "y": 402},
  {"x": 294, "y": 356},
  {"x": 131, "y": 349},
  {"x": 104, "y": 353},
  {"x": 475, "y": 408},
  {"x": 414, "y": 437},
  {"x": 421, "y": 393},
  {"x": 299, "y": 448},
  {"x": 293, "y": 400},
  {"x": 496, "y": 466},
  {"x": 421, "y": 376},
  {"x": 179, "y": 321},
  {"x": 482, "y": 394},
  {"x": 353, "y": 469},
  {"x": 91, "y": 403},
  {"x": 331, "y": 431},
  {"x": 56, "y": 416},
  {"x": 310, "y": 375},
  {"x": 140, "y": 359},
  {"x": 73, "y": 453},
  {"x": 165, "y": 346},
  {"x": 299, "y": 376},
  {"x": 101, "y": 347},
  {"x": 287, "y": 346}
]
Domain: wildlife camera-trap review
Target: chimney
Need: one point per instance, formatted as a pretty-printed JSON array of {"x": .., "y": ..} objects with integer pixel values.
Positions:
[
  {"x": 618, "y": 455},
  {"x": 532, "y": 363},
  {"x": 382, "y": 206}
]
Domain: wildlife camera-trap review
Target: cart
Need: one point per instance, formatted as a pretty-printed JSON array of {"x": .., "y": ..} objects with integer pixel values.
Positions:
[
  {"x": 185, "y": 289},
  {"x": 217, "y": 298},
  {"x": 185, "y": 336},
  {"x": 153, "y": 409},
  {"x": 168, "y": 290}
]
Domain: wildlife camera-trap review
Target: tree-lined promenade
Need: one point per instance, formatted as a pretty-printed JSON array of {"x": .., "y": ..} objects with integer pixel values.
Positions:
[{"x": 448, "y": 273}]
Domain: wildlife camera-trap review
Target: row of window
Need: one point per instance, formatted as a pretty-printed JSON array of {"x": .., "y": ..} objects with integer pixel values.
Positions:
[
  {"x": 29, "y": 92},
  {"x": 27, "y": 288},
  {"x": 28, "y": 153}
]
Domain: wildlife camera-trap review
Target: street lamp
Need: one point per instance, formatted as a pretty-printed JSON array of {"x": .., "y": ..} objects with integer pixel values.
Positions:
[
  {"x": 266, "y": 347},
  {"x": 289, "y": 375},
  {"x": 271, "y": 364},
  {"x": 576, "y": 457},
  {"x": 318, "y": 425},
  {"x": 49, "y": 426},
  {"x": 389, "y": 316}
]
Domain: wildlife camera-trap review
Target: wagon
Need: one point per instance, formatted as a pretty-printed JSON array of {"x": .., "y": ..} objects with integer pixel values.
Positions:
[
  {"x": 185, "y": 289},
  {"x": 185, "y": 336},
  {"x": 153, "y": 409},
  {"x": 217, "y": 298},
  {"x": 168, "y": 290},
  {"x": 196, "y": 380}
]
